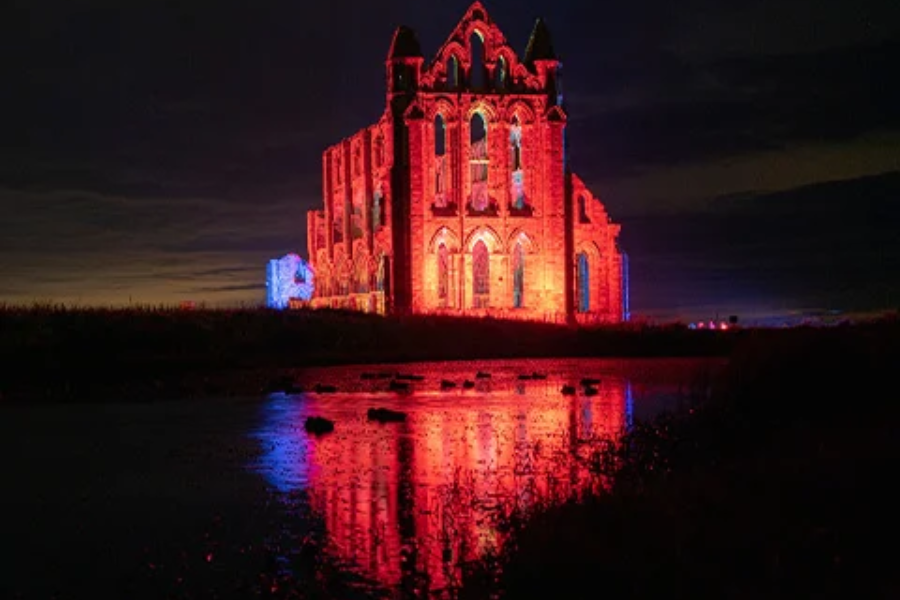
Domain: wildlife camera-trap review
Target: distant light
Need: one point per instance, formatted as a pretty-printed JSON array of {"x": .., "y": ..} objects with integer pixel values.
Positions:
[{"x": 722, "y": 326}]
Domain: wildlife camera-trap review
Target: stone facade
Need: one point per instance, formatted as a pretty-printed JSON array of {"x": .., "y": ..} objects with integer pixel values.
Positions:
[{"x": 459, "y": 199}]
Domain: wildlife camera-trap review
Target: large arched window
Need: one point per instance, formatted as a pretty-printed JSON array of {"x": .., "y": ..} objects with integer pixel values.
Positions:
[
  {"x": 478, "y": 162},
  {"x": 443, "y": 265},
  {"x": 517, "y": 176},
  {"x": 440, "y": 135},
  {"x": 476, "y": 75},
  {"x": 452, "y": 73},
  {"x": 481, "y": 275},
  {"x": 582, "y": 282},
  {"x": 515, "y": 144},
  {"x": 441, "y": 172},
  {"x": 518, "y": 276}
]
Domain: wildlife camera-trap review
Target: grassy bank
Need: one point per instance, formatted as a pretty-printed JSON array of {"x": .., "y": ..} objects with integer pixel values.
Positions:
[
  {"x": 780, "y": 486},
  {"x": 58, "y": 353}
]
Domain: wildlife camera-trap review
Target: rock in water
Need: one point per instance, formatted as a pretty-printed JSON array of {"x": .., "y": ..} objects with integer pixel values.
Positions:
[
  {"x": 385, "y": 415},
  {"x": 319, "y": 425}
]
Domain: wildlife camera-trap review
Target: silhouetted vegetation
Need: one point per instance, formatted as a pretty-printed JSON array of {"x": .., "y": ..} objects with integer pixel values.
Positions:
[
  {"x": 778, "y": 485},
  {"x": 60, "y": 353}
]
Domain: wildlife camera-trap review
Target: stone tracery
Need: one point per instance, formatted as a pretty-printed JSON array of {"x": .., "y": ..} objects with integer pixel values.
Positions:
[{"x": 470, "y": 151}]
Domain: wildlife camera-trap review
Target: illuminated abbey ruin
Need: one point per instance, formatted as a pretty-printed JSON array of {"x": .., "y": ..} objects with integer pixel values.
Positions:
[{"x": 459, "y": 200}]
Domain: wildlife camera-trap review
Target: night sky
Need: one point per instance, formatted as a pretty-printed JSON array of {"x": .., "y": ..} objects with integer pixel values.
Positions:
[{"x": 157, "y": 152}]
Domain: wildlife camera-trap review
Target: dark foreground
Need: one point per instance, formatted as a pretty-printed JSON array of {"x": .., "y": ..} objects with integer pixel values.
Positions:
[{"x": 777, "y": 484}]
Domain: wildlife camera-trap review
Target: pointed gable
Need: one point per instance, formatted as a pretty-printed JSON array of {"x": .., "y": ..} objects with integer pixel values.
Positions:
[{"x": 475, "y": 19}]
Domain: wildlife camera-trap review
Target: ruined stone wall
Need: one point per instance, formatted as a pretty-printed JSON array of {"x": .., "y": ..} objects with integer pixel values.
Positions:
[{"x": 442, "y": 221}]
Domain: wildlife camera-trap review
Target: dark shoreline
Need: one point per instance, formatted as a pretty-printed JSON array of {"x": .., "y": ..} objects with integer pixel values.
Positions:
[{"x": 52, "y": 354}]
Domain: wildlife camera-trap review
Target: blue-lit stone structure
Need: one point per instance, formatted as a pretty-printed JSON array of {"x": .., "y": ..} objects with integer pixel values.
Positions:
[{"x": 289, "y": 279}]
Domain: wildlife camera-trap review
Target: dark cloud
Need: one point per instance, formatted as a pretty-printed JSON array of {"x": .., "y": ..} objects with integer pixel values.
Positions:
[
  {"x": 84, "y": 246},
  {"x": 737, "y": 106},
  {"x": 832, "y": 245},
  {"x": 167, "y": 150}
]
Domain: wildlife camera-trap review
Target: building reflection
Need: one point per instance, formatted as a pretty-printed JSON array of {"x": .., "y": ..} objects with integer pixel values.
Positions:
[
  {"x": 414, "y": 500},
  {"x": 286, "y": 457}
]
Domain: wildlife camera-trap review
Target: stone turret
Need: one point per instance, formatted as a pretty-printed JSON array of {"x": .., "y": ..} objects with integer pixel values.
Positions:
[{"x": 541, "y": 59}]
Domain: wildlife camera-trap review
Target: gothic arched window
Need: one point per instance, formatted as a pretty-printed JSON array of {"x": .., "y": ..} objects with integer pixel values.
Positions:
[
  {"x": 476, "y": 73},
  {"x": 583, "y": 282},
  {"x": 517, "y": 172},
  {"x": 443, "y": 265},
  {"x": 452, "y": 73},
  {"x": 441, "y": 158},
  {"x": 518, "y": 276},
  {"x": 515, "y": 144},
  {"x": 500, "y": 74},
  {"x": 440, "y": 135},
  {"x": 481, "y": 275},
  {"x": 478, "y": 162}
]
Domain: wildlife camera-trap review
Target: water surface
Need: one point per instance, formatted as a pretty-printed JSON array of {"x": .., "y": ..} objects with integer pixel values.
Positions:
[{"x": 217, "y": 497}]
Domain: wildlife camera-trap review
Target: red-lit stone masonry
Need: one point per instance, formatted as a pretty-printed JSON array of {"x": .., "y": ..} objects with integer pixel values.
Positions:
[{"x": 459, "y": 200}]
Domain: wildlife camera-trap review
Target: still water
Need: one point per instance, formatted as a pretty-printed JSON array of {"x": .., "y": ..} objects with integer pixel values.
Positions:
[{"x": 214, "y": 498}]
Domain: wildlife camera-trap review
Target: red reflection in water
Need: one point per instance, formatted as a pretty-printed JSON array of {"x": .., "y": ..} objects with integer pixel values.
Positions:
[{"x": 423, "y": 495}]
